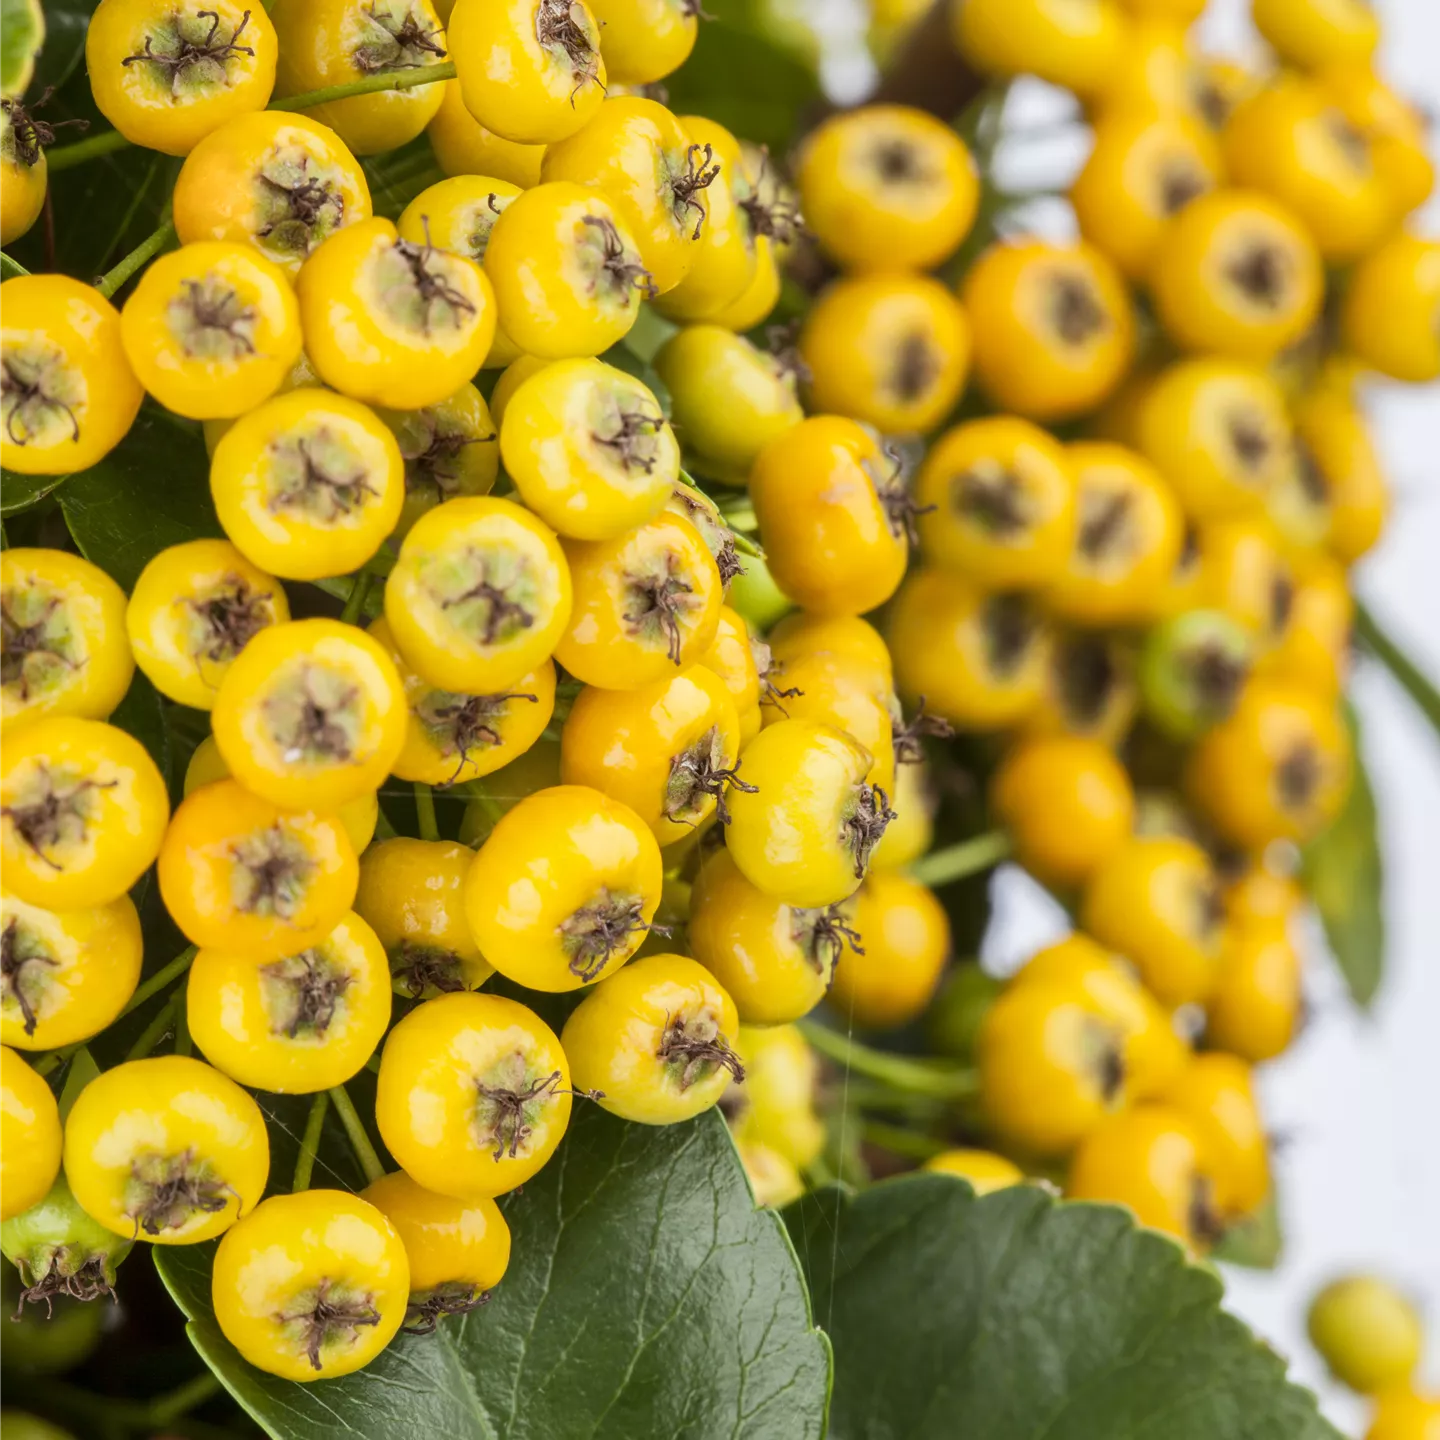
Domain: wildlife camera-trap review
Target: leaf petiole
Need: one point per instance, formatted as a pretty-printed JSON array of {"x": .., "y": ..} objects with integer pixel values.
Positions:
[{"x": 957, "y": 862}]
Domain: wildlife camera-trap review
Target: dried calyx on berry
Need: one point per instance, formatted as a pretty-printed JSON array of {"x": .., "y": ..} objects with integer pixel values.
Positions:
[{"x": 59, "y": 1250}]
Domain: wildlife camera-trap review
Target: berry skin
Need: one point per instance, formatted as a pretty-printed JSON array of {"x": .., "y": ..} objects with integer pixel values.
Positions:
[
  {"x": 985, "y": 1171},
  {"x": 238, "y": 873},
  {"x": 1156, "y": 901},
  {"x": 997, "y": 500},
  {"x": 1401, "y": 1414},
  {"x": 833, "y": 514},
  {"x": 463, "y": 146},
  {"x": 84, "y": 809},
  {"x": 1334, "y": 436},
  {"x": 1192, "y": 669},
  {"x": 212, "y": 329},
  {"x": 1067, "y": 804},
  {"x": 193, "y": 609},
  {"x": 458, "y": 1250},
  {"x": 166, "y": 1150},
  {"x": 1236, "y": 274},
  {"x": 62, "y": 621},
  {"x": 732, "y": 659},
  {"x": 451, "y": 737},
  {"x": 412, "y": 895},
  {"x": 906, "y": 938},
  {"x": 980, "y": 660},
  {"x": 567, "y": 272},
  {"x": 311, "y": 715},
  {"x": 887, "y": 187},
  {"x": 1051, "y": 325},
  {"x": 1076, "y": 46},
  {"x": 29, "y": 1136},
  {"x": 1368, "y": 1333},
  {"x": 292, "y": 1026},
  {"x": 1051, "y": 1066},
  {"x": 645, "y": 40},
  {"x": 393, "y": 322},
  {"x": 458, "y": 214},
  {"x": 24, "y": 171},
  {"x": 336, "y": 42},
  {"x": 892, "y": 351},
  {"x": 656, "y": 1040},
  {"x": 729, "y": 398},
  {"x": 479, "y": 596},
  {"x": 1216, "y": 1094},
  {"x": 637, "y": 154},
  {"x": 1255, "y": 1007},
  {"x": 308, "y": 485},
  {"x": 589, "y": 449},
  {"x": 311, "y": 1286},
  {"x": 279, "y": 182},
  {"x": 166, "y": 76},
  {"x": 529, "y": 70},
  {"x": 775, "y": 1104},
  {"x": 68, "y": 973},
  {"x": 473, "y": 1096},
  {"x": 72, "y": 395},
  {"x": 667, "y": 750},
  {"x": 564, "y": 890},
  {"x": 1310, "y": 33},
  {"x": 805, "y": 832},
  {"x": 1390, "y": 315},
  {"x": 647, "y": 603}
]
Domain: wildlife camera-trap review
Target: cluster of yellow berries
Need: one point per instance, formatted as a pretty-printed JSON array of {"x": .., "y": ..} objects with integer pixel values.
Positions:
[{"x": 692, "y": 790}]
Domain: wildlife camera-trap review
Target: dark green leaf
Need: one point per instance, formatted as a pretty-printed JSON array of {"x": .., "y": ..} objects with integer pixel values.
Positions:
[
  {"x": 624, "y": 358},
  {"x": 22, "y": 32},
  {"x": 1344, "y": 875},
  {"x": 66, "y": 22},
  {"x": 81, "y": 1070},
  {"x": 745, "y": 75},
  {"x": 1256, "y": 1243},
  {"x": 398, "y": 176},
  {"x": 151, "y": 491},
  {"x": 19, "y": 492},
  {"x": 647, "y": 1299},
  {"x": 142, "y": 714},
  {"x": 1017, "y": 1316}
]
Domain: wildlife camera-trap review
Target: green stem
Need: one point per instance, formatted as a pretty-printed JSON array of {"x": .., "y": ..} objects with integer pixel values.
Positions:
[
  {"x": 899, "y": 1141},
  {"x": 310, "y": 1142},
  {"x": 920, "y": 1077},
  {"x": 425, "y": 805},
  {"x": 165, "y": 1409},
  {"x": 157, "y": 982},
  {"x": 371, "y": 85},
  {"x": 151, "y": 1035},
  {"x": 1416, "y": 684},
  {"x": 359, "y": 1140},
  {"x": 745, "y": 545},
  {"x": 105, "y": 143},
  {"x": 182, "y": 1023},
  {"x": 956, "y": 862},
  {"x": 355, "y": 601},
  {"x": 9, "y": 268},
  {"x": 490, "y": 807},
  {"x": 137, "y": 259}
]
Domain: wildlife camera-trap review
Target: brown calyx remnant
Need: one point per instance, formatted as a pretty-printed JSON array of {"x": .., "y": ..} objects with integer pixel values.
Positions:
[
  {"x": 900, "y": 506},
  {"x": 1009, "y": 625},
  {"x": 698, "y": 771},
  {"x": 272, "y": 872},
  {"x": 465, "y": 721},
  {"x": 308, "y": 989},
  {"x": 1106, "y": 522},
  {"x": 634, "y": 440},
  {"x": 1180, "y": 182},
  {"x": 426, "y": 967},
  {"x": 599, "y": 930},
  {"x": 29, "y": 135},
  {"x": 315, "y": 483},
  {"x": 16, "y": 956},
  {"x": 212, "y": 321},
  {"x": 209, "y": 54},
  {"x": 621, "y": 272},
  {"x": 865, "y": 824},
  {"x": 1216, "y": 675},
  {"x": 18, "y": 642},
  {"x": 660, "y": 601},
  {"x": 404, "y": 47},
  {"x": 506, "y": 1112},
  {"x": 778, "y": 218},
  {"x": 232, "y": 617},
  {"x": 993, "y": 496},
  {"x": 1298, "y": 776},
  {"x": 767, "y": 669},
  {"x": 917, "y": 367},
  {"x": 1262, "y": 273},
  {"x": 1075, "y": 310},
  {"x": 555, "y": 25},
  {"x": 330, "y": 1316},
  {"x": 696, "y": 1048},
  {"x": 27, "y": 399},
  {"x": 431, "y": 287},
  {"x": 701, "y": 171},
  {"x": 55, "y": 816},
  {"x": 503, "y": 616},
  {"x": 908, "y": 736},
  {"x": 168, "y": 1191},
  {"x": 89, "y": 1281},
  {"x": 822, "y": 935},
  {"x": 423, "y": 1315},
  {"x": 1248, "y": 437}
]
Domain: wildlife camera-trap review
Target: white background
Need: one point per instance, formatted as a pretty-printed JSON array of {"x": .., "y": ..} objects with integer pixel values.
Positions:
[{"x": 1357, "y": 1099}]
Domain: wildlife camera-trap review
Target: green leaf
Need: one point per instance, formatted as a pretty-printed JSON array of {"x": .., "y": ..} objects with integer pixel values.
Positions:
[
  {"x": 1344, "y": 876},
  {"x": 647, "y": 1299},
  {"x": 19, "y": 492},
  {"x": 1255, "y": 1243},
  {"x": 22, "y": 33},
  {"x": 1415, "y": 682},
  {"x": 81, "y": 1070},
  {"x": 743, "y": 75},
  {"x": 151, "y": 491},
  {"x": 142, "y": 714},
  {"x": 398, "y": 176},
  {"x": 1017, "y": 1315},
  {"x": 66, "y": 22}
]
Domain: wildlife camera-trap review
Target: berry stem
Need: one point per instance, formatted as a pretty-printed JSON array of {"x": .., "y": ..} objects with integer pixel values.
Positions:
[
  {"x": 956, "y": 862},
  {"x": 355, "y": 601},
  {"x": 425, "y": 805},
  {"x": 137, "y": 259},
  {"x": 899, "y": 1141},
  {"x": 310, "y": 1142},
  {"x": 359, "y": 1140},
  {"x": 157, "y": 982},
  {"x": 1416, "y": 684},
  {"x": 152, "y": 1034},
  {"x": 164, "y": 1410},
  {"x": 182, "y": 1023},
  {"x": 108, "y": 142},
  {"x": 921, "y": 1077}
]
